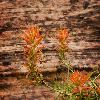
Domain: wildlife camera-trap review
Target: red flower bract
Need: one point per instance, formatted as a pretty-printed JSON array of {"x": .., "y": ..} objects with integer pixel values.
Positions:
[
  {"x": 78, "y": 78},
  {"x": 63, "y": 35},
  {"x": 33, "y": 47},
  {"x": 32, "y": 35}
]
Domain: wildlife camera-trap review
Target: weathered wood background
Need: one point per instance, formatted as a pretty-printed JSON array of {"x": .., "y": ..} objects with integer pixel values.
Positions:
[{"x": 82, "y": 20}]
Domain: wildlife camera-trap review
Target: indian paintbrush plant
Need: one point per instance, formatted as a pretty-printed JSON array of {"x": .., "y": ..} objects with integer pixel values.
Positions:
[
  {"x": 33, "y": 51},
  {"x": 77, "y": 85},
  {"x": 62, "y": 37}
]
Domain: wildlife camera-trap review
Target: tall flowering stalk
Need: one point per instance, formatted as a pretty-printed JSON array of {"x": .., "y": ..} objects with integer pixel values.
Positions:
[
  {"x": 33, "y": 50},
  {"x": 63, "y": 48},
  {"x": 62, "y": 37}
]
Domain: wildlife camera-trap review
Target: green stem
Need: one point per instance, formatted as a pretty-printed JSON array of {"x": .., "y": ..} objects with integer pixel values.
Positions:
[
  {"x": 68, "y": 75},
  {"x": 96, "y": 77},
  {"x": 94, "y": 87},
  {"x": 68, "y": 66}
]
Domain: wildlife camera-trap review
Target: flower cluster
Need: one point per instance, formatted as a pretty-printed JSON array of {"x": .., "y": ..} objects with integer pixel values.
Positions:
[
  {"x": 33, "y": 47},
  {"x": 63, "y": 46},
  {"x": 33, "y": 50},
  {"x": 79, "y": 78},
  {"x": 63, "y": 35},
  {"x": 32, "y": 35}
]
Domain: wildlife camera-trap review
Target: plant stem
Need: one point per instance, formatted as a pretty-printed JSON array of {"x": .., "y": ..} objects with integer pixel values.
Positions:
[
  {"x": 96, "y": 77},
  {"x": 68, "y": 75}
]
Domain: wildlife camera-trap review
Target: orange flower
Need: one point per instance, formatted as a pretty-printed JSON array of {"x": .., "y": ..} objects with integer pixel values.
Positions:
[
  {"x": 25, "y": 37},
  {"x": 79, "y": 78},
  {"x": 33, "y": 40},
  {"x": 36, "y": 31},
  {"x": 63, "y": 35},
  {"x": 38, "y": 40},
  {"x": 31, "y": 35}
]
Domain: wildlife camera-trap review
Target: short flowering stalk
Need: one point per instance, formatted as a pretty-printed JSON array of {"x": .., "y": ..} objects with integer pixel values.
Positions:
[
  {"x": 83, "y": 85},
  {"x": 33, "y": 50},
  {"x": 79, "y": 79}
]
